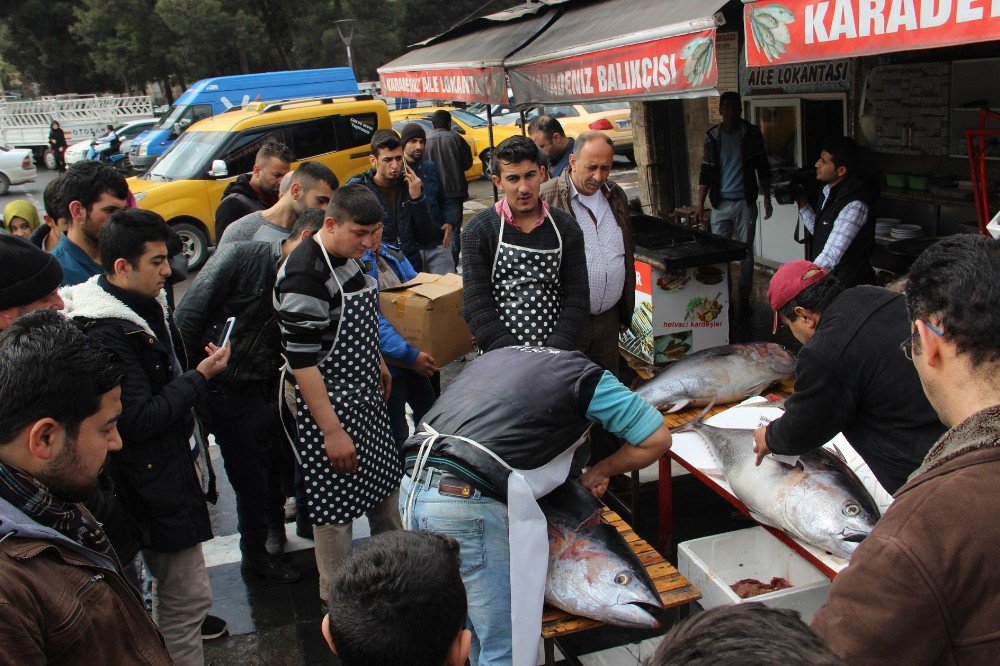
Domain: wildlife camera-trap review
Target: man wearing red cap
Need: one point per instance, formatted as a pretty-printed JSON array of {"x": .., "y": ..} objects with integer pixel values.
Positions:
[{"x": 850, "y": 376}]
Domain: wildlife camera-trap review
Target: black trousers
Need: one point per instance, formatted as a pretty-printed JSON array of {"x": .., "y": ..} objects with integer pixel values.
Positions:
[
  {"x": 408, "y": 388},
  {"x": 251, "y": 441}
]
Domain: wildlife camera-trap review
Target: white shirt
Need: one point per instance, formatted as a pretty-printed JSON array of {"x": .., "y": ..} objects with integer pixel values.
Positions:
[{"x": 604, "y": 246}]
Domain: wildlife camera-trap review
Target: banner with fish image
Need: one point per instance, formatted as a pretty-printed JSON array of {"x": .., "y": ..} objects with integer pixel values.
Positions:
[
  {"x": 790, "y": 31},
  {"x": 661, "y": 68},
  {"x": 677, "y": 312}
]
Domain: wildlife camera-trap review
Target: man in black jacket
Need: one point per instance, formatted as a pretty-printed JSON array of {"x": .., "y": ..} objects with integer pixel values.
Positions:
[
  {"x": 160, "y": 473},
  {"x": 453, "y": 157},
  {"x": 850, "y": 376},
  {"x": 256, "y": 190},
  {"x": 843, "y": 231},
  {"x": 406, "y": 217},
  {"x": 734, "y": 160},
  {"x": 241, "y": 410}
]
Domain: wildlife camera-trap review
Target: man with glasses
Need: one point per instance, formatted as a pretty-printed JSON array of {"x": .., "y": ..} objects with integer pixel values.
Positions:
[
  {"x": 850, "y": 376},
  {"x": 923, "y": 587}
]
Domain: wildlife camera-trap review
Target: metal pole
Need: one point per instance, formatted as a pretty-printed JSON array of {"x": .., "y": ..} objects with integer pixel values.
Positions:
[
  {"x": 524, "y": 128},
  {"x": 345, "y": 28},
  {"x": 489, "y": 119},
  {"x": 350, "y": 58}
]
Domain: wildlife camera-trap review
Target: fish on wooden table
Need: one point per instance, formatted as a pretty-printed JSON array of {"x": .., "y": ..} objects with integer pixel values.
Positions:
[
  {"x": 818, "y": 499},
  {"x": 719, "y": 375},
  {"x": 592, "y": 571}
]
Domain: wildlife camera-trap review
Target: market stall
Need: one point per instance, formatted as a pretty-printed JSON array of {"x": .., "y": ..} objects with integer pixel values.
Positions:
[{"x": 905, "y": 80}]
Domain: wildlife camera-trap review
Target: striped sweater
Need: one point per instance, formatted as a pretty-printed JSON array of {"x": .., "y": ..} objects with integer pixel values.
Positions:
[{"x": 308, "y": 301}]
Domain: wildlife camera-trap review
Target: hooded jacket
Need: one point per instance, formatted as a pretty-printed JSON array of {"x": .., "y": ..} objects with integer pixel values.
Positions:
[
  {"x": 62, "y": 603},
  {"x": 154, "y": 472},
  {"x": 923, "y": 587},
  {"x": 238, "y": 199}
]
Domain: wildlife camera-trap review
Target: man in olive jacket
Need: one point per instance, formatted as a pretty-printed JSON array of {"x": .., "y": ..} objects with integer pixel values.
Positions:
[
  {"x": 924, "y": 587},
  {"x": 63, "y": 596}
]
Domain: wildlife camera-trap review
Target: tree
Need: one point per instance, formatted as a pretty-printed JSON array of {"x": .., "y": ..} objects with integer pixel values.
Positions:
[
  {"x": 36, "y": 39},
  {"x": 126, "y": 40}
]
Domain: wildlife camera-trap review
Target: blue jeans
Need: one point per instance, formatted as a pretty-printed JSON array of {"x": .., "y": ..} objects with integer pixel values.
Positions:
[
  {"x": 738, "y": 219},
  {"x": 479, "y": 524}
]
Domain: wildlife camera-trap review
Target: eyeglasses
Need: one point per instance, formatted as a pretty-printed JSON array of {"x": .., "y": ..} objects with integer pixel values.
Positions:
[{"x": 906, "y": 346}]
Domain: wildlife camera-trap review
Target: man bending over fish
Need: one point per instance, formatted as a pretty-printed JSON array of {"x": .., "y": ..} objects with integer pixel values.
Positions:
[
  {"x": 849, "y": 376},
  {"x": 500, "y": 437},
  {"x": 924, "y": 587}
]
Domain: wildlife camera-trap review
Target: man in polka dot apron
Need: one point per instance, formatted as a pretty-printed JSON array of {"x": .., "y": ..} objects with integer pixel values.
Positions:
[
  {"x": 329, "y": 320},
  {"x": 523, "y": 265}
]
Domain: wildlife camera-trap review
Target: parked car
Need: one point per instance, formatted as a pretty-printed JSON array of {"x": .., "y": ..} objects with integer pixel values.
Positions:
[
  {"x": 186, "y": 183},
  {"x": 612, "y": 118},
  {"x": 126, "y": 133},
  {"x": 16, "y": 167},
  {"x": 473, "y": 129}
]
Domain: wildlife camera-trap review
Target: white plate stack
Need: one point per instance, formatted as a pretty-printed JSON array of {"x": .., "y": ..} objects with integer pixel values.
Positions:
[
  {"x": 905, "y": 231},
  {"x": 883, "y": 225}
]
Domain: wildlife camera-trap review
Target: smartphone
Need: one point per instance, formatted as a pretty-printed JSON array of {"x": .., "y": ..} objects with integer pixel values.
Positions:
[
  {"x": 227, "y": 330},
  {"x": 404, "y": 166}
]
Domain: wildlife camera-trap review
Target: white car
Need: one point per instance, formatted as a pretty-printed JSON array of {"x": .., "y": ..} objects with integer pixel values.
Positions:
[
  {"x": 16, "y": 167},
  {"x": 126, "y": 133}
]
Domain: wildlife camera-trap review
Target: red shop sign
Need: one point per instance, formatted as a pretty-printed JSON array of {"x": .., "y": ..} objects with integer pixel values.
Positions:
[
  {"x": 649, "y": 69},
  {"x": 467, "y": 84},
  {"x": 791, "y": 31}
]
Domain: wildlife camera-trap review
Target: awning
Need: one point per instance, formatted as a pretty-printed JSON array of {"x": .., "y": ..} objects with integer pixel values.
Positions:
[
  {"x": 620, "y": 49},
  {"x": 466, "y": 63},
  {"x": 793, "y": 31}
]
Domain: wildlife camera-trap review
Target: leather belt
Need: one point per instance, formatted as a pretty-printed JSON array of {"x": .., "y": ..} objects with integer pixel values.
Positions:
[{"x": 449, "y": 485}]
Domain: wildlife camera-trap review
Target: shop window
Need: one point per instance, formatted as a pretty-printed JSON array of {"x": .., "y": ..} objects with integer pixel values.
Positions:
[{"x": 779, "y": 123}]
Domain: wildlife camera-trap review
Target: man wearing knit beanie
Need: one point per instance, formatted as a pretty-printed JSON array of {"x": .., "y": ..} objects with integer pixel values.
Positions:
[
  {"x": 29, "y": 280},
  {"x": 436, "y": 251}
]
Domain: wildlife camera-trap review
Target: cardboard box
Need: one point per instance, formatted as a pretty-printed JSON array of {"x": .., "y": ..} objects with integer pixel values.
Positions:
[{"x": 427, "y": 312}]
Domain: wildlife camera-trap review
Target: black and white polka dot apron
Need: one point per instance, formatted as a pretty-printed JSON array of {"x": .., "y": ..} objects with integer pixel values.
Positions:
[
  {"x": 526, "y": 288},
  {"x": 351, "y": 373}
]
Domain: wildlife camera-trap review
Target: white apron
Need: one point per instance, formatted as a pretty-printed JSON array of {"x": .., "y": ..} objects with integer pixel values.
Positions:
[
  {"x": 527, "y": 534},
  {"x": 526, "y": 288}
]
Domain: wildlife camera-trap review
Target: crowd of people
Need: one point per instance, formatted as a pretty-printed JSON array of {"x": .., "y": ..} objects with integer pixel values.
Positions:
[{"x": 280, "y": 352}]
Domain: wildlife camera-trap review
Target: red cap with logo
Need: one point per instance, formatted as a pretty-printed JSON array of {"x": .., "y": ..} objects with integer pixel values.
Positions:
[{"x": 789, "y": 281}]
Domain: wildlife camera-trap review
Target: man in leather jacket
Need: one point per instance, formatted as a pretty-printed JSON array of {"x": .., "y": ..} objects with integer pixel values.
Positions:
[{"x": 242, "y": 407}]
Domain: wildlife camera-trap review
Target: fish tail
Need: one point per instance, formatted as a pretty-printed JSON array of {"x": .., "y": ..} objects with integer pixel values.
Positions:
[{"x": 696, "y": 421}]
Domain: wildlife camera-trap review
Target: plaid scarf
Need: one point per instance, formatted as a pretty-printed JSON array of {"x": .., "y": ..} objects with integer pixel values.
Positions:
[{"x": 39, "y": 504}]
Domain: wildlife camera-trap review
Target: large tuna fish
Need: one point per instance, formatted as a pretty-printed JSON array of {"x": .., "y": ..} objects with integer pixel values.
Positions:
[
  {"x": 721, "y": 375},
  {"x": 592, "y": 571},
  {"x": 818, "y": 499}
]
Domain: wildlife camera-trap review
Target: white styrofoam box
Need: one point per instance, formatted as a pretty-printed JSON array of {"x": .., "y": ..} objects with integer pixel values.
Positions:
[{"x": 714, "y": 563}]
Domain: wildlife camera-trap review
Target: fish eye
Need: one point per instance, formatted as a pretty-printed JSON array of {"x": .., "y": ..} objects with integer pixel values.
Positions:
[
  {"x": 623, "y": 578},
  {"x": 852, "y": 509}
]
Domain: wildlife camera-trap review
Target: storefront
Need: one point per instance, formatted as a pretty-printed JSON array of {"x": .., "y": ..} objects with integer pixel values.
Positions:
[{"x": 903, "y": 79}]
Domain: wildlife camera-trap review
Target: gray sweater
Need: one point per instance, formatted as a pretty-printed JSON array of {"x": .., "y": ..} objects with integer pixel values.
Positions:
[{"x": 244, "y": 229}]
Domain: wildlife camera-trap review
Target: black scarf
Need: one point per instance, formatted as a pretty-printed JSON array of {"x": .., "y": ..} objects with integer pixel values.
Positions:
[{"x": 38, "y": 503}]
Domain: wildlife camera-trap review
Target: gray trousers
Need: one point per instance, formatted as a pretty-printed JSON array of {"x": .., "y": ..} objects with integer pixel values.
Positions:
[
  {"x": 438, "y": 260},
  {"x": 333, "y": 542},
  {"x": 735, "y": 218},
  {"x": 182, "y": 597}
]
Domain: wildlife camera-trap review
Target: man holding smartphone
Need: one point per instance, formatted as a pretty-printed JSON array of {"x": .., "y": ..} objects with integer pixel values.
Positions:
[
  {"x": 241, "y": 409},
  {"x": 405, "y": 215}
]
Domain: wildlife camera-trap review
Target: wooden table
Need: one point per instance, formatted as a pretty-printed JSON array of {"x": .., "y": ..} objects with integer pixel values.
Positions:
[{"x": 673, "y": 588}]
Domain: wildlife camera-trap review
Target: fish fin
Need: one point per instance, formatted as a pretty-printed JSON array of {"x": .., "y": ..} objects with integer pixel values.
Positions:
[
  {"x": 696, "y": 421},
  {"x": 838, "y": 452},
  {"x": 678, "y": 406}
]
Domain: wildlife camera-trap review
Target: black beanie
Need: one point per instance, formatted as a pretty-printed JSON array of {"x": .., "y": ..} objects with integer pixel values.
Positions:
[
  {"x": 412, "y": 131},
  {"x": 28, "y": 273}
]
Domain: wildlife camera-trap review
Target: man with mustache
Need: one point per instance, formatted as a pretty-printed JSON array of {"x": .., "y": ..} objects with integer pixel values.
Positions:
[{"x": 600, "y": 208}]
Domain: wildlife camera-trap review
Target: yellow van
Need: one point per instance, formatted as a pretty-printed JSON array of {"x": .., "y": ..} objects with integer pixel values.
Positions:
[{"x": 185, "y": 185}]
